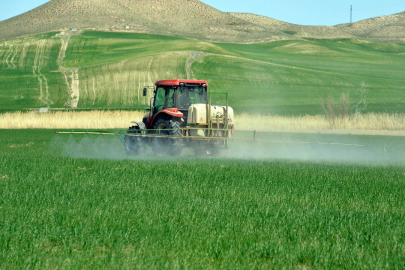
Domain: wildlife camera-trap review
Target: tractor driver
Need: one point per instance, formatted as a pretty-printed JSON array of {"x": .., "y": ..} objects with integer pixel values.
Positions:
[{"x": 164, "y": 98}]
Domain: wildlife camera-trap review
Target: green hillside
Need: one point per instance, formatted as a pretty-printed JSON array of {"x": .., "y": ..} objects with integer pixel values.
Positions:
[
  {"x": 285, "y": 77},
  {"x": 26, "y": 77}
]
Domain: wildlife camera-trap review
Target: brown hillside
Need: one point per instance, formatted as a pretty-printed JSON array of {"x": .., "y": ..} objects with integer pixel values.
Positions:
[
  {"x": 299, "y": 31},
  {"x": 386, "y": 28},
  {"x": 185, "y": 18}
]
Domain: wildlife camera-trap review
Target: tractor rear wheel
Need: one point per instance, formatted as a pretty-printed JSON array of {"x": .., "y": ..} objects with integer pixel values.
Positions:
[{"x": 167, "y": 146}]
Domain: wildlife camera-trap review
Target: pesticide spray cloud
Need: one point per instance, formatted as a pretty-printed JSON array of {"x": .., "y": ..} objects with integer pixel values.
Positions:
[
  {"x": 269, "y": 146},
  {"x": 323, "y": 148},
  {"x": 89, "y": 147}
]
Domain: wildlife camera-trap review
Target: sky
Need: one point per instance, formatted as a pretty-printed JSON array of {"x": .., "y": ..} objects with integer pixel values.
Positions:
[{"x": 313, "y": 12}]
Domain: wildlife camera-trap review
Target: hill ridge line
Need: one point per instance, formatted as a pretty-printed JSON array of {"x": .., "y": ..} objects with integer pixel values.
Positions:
[{"x": 187, "y": 19}]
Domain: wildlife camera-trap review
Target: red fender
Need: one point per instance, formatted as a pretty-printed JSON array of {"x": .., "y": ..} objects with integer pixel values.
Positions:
[{"x": 170, "y": 111}]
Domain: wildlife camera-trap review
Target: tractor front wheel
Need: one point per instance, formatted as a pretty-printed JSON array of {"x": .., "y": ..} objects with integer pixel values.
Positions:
[{"x": 134, "y": 145}]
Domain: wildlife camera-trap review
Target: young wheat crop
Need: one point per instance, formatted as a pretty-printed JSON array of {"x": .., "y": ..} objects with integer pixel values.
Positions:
[{"x": 59, "y": 211}]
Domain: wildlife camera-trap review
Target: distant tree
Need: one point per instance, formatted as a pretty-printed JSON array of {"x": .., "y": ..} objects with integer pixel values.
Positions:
[{"x": 343, "y": 109}]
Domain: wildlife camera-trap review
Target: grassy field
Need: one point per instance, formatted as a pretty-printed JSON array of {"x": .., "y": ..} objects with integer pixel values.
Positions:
[
  {"x": 285, "y": 77},
  {"x": 78, "y": 202}
]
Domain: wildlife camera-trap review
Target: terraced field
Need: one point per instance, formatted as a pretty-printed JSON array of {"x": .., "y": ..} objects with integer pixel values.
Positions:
[{"x": 108, "y": 70}]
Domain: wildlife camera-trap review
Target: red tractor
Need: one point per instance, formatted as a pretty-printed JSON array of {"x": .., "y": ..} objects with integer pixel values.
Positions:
[{"x": 181, "y": 114}]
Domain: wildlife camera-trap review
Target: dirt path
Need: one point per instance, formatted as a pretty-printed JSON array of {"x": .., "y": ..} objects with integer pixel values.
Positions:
[
  {"x": 71, "y": 74},
  {"x": 194, "y": 56},
  {"x": 62, "y": 53},
  {"x": 11, "y": 53},
  {"x": 75, "y": 92},
  {"x": 21, "y": 61},
  {"x": 8, "y": 55},
  {"x": 13, "y": 65},
  {"x": 44, "y": 97},
  {"x": 72, "y": 81}
]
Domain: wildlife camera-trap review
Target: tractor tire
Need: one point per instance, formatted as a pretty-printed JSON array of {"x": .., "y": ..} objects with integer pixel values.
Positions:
[
  {"x": 167, "y": 146},
  {"x": 134, "y": 145}
]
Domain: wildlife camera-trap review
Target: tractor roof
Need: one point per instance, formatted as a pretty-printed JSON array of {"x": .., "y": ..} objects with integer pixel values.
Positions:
[{"x": 177, "y": 82}]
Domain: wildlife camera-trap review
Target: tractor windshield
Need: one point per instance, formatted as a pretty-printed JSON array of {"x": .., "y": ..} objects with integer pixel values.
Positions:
[{"x": 188, "y": 95}]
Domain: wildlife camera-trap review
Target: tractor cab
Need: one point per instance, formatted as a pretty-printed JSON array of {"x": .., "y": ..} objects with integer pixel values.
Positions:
[{"x": 174, "y": 98}]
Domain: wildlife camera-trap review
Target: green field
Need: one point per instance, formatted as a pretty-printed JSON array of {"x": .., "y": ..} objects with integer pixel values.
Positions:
[
  {"x": 285, "y": 77},
  {"x": 72, "y": 202}
]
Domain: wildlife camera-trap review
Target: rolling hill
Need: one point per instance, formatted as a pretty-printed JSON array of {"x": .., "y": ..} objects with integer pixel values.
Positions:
[
  {"x": 268, "y": 66},
  {"x": 385, "y": 28},
  {"x": 185, "y": 18},
  {"x": 189, "y": 19},
  {"x": 92, "y": 70}
]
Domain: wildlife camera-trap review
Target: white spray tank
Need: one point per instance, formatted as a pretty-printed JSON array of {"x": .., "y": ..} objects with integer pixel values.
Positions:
[{"x": 199, "y": 115}]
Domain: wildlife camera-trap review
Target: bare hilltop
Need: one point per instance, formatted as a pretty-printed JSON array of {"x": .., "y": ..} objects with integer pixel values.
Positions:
[{"x": 186, "y": 18}]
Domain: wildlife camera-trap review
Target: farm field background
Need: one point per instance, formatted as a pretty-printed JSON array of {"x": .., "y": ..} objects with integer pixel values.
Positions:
[
  {"x": 78, "y": 202},
  {"x": 109, "y": 70}
]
